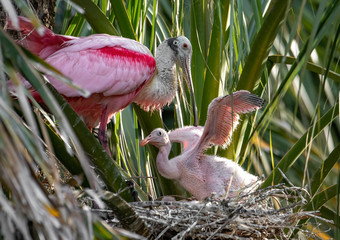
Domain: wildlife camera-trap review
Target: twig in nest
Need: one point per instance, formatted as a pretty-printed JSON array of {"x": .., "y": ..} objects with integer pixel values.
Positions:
[{"x": 251, "y": 215}]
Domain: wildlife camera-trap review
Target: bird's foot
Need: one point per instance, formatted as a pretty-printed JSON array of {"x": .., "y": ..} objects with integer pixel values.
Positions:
[
  {"x": 102, "y": 137},
  {"x": 133, "y": 191},
  {"x": 102, "y": 132}
]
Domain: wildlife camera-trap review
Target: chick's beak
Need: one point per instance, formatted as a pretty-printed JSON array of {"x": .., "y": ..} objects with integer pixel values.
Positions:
[{"x": 145, "y": 141}]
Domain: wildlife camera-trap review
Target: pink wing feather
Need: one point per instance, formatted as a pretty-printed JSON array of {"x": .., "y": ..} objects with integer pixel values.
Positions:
[
  {"x": 103, "y": 64},
  {"x": 223, "y": 117}
]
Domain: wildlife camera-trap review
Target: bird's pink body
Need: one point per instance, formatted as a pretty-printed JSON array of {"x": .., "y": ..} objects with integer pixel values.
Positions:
[
  {"x": 113, "y": 74},
  {"x": 112, "y": 69},
  {"x": 197, "y": 172},
  {"x": 203, "y": 174}
]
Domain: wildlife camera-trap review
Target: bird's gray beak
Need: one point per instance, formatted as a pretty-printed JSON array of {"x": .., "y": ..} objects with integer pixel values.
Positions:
[{"x": 186, "y": 67}]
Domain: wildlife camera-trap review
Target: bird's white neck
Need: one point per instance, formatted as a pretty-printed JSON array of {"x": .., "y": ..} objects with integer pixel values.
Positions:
[
  {"x": 167, "y": 168},
  {"x": 161, "y": 90}
]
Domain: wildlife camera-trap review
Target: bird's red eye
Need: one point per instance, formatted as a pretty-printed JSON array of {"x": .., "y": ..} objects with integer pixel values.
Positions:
[{"x": 185, "y": 45}]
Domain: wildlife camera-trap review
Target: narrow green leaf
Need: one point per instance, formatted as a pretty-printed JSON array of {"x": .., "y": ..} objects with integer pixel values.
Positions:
[
  {"x": 70, "y": 162},
  {"x": 96, "y": 17},
  {"x": 213, "y": 72},
  {"x": 198, "y": 36},
  {"x": 257, "y": 58},
  {"x": 292, "y": 155},
  {"x": 162, "y": 30},
  {"x": 123, "y": 19},
  {"x": 310, "y": 66},
  {"x": 153, "y": 30},
  {"x": 65, "y": 8},
  {"x": 77, "y": 19},
  {"x": 330, "y": 215},
  {"x": 337, "y": 222},
  {"x": 320, "y": 175},
  {"x": 262, "y": 44},
  {"x": 257, "y": 13},
  {"x": 103, "y": 5},
  {"x": 102, "y": 233},
  {"x": 79, "y": 26}
]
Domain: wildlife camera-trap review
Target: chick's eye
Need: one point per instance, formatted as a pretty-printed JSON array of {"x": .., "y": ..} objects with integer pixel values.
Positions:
[
  {"x": 159, "y": 133},
  {"x": 175, "y": 42}
]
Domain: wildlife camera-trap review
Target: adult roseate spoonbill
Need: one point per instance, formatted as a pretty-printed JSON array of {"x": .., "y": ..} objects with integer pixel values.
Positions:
[
  {"x": 197, "y": 172},
  {"x": 116, "y": 71}
]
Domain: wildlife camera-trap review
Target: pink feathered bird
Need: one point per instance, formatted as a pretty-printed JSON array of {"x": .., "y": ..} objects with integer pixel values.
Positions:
[
  {"x": 116, "y": 71},
  {"x": 197, "y": 172}
]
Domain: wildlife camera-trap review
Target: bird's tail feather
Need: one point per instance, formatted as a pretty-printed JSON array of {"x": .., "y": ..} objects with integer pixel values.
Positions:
[{"x": 37, "y": 40}]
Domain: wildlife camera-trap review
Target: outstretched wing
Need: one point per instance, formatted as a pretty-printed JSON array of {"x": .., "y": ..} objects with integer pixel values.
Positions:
[{"x": 223, "y": 117}]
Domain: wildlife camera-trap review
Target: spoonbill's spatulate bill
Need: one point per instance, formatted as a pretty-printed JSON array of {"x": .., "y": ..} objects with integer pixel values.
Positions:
[
  {"x": 197, "y": 172},
  {"x": 116, "y": 71}
]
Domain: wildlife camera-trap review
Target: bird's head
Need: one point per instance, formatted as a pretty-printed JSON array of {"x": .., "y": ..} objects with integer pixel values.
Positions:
[
  {"x": 158, "y": 137},
  {"x": 182, "y": 49}
]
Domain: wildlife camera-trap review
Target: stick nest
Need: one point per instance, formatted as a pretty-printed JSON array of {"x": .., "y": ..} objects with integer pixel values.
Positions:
[{"x": 263, "y": 214}]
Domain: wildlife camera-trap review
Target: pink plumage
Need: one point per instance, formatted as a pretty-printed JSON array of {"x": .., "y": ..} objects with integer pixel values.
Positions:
[
  {"x": 112, "y": 69},
  {"x": 116, "y": 71},
  {"x": 197, "y": 172},
  {"x": 188, "y": 136},
  {"x": 223, "y": 117}
]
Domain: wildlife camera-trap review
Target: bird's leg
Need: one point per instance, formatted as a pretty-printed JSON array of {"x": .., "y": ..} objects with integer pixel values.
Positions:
[
  {"x": 133, "y": 191},
  {"x": 102, "y": 133}
]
